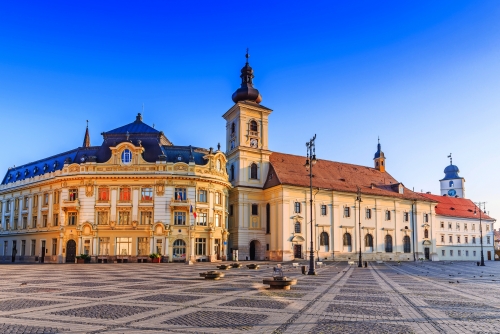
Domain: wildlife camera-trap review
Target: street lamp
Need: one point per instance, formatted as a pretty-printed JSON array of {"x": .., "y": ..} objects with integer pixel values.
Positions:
[
  {"x": 311, "y": 155},
  {"x": 358, "y": 198},
  {"x": 480, "y": 228}
]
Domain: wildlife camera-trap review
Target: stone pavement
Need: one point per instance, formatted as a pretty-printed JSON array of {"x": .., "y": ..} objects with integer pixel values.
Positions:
[{"x": 431, "y": 297}]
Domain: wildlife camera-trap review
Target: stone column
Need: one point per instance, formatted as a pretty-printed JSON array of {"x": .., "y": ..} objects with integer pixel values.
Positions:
[{"x": 4, "y": 207}]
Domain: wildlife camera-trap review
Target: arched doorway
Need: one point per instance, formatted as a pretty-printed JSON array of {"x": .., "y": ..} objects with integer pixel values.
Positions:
[
  {"x": 70, "y": 251},
  {"x": 255, "y": 250}
]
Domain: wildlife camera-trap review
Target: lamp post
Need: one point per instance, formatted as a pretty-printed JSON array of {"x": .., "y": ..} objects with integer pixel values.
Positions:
[
  {"x": 311, "y": 155},
  {"x": 480, "y": 229},
  {"x": 358, "y": 199}
]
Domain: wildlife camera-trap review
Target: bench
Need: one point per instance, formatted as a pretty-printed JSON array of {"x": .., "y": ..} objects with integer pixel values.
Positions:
[
  {"x": 350, "y": 262},
  {"x": 295, "y": 264},
  {"x": 319, "y": 264}
]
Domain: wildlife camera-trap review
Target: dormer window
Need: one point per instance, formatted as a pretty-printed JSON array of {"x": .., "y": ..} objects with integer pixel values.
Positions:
[
  {"x": 179, "y": 158},
  {"x": 126, "y": 156},
  {"x": 55, "y": 164}
]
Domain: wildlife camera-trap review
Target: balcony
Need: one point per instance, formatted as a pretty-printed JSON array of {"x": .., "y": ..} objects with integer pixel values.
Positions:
[{"x": 180, "y": 203}]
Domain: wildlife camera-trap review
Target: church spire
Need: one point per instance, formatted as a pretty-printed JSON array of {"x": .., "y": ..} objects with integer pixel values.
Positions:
[
  {"x": 86, "y": 139},
  {"x": 379, "y": 158},
  {"x": 247, "y": 92}
]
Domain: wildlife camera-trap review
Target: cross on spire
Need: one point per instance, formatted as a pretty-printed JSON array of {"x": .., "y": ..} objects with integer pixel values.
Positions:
[
  {"x": 247, "y": 55},
  {"x": 451, "y": 159}
]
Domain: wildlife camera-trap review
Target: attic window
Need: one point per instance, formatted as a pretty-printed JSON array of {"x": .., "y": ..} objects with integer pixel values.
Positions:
[
  {"x": 270, "y": 176},
  {"x": 452, "y": 208},
  {"x": 126, "y": 156},
  {"x": 35, "y": 170},
  {"x": 179, "y": 158},
  {"x": 343, "y": 180}
]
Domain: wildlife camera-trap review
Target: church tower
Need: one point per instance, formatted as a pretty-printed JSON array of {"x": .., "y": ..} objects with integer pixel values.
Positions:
[
  {"x": 379, "y": 158},
  {"x": 247, "y": 153},
  {"x": 452, "y": 184}
]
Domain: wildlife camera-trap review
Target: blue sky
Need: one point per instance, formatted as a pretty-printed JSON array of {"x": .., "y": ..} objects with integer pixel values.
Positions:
[{"x": 422, "y": 75}]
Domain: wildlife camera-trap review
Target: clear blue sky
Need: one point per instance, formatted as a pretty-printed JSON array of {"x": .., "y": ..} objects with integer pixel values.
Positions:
[{"x": 422, "y": 75}]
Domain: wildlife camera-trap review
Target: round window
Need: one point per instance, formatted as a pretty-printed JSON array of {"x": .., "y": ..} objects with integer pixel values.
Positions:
[{"x": 126, "y": 156}]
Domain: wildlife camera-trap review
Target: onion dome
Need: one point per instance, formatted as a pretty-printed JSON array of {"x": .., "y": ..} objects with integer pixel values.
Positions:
[
  {"x": 379, "y": 153},
  {"x": 451, "y": 172},
  {"x": 247, "y": 92}
]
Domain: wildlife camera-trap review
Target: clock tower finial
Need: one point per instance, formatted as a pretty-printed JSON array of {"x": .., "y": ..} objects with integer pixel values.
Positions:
[{"x": 451, "y": 159}]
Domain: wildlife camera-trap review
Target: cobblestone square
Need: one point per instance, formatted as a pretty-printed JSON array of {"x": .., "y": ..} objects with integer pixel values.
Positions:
[{"x": 151, "y": 298}]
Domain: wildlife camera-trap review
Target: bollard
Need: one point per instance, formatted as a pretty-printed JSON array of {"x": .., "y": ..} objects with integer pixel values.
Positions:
[
  {"x": 366, "y": 264},
  {"x": 303, "y": 270},
  {"x": 477, "y": 263}
]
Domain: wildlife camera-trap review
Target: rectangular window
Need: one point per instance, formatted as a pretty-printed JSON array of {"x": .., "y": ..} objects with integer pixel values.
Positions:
[
  {"x": 451, "y": 252},
  {"x": 465, "y": 226},
  {"x": 23, "y": 247},
  {"x": 368, "y": 213},
  {"x": 125, "y": 194},
  {"x": 487, "y": 227},
  {"x": 147, "y": 194},
  {"x": 201, "y": 246},
  {"x": 179, "y": 218},
  {"x": 426, "y": 217},
  {"x": 146, "y": 217},
  {"x": 16, "y": 220},
  {"x": 458, "y": 238},
  {"x": 451, "y": 239},
  {"x": 55, "y": 219},
  {"x": 466, "y": 238},
  {"x": 26, "y": 202},
  {"x": 124, "y": 218},
  {"x": 104, "y": 246},
  {"x": 442, "y": 238},
  {"x": 33, "y": 222},
  {"x": 73, "y": 194},
  {"x": 218, "y": 198},
  {"x": 142, "y": 246},
  {"x": 387, "y": 215},
  {"x": 202, "y": 196},
  {"x": 488, "y": 240},
  {"x": 202, "y": 219},
  {"x": 33, "y": 247},
  {"x": 72, "y": 218},
  {"x": 449, "y": 226},
  {"x": 442, "y": 252},
  {"x": 25, "y": 222},
  {"x": 103, "y": 194},
  {"x": 7, "y": 223},
  {"x": 466, "y": 253},
  {"x": 54, "y": 246},
  {"x": 459, "y": 252},
  {"x": 45, "y": 199},
  {"x": 86, "y": 247},
  {"x": 473, "y": 240},
  {"x": 231, "y": 212},
  {"x": 217, "y": 220},
  {"x": 347, "y": 212},
  {"x": 180, "y": 194},
  {"x": 297, "y": 207},
  {"x": 45, "y": 221},
  {"x": 474, "y": 253},
  {"x": 123, "y": 246},
  {"x": 442, "y": 225},
  {"x": 102, "y": 217},
  {"x": 406, "y": 216},
  {"x": 473, "y": 227},
  {"x": 458, "y": 226},
  {"x": 323, "y": 210},
  {"x": 56, "y": 195},
  {"x": 255, "y": 209},
  {"x": 159, "y": 247},
  {"x": 16, "y": 204}
]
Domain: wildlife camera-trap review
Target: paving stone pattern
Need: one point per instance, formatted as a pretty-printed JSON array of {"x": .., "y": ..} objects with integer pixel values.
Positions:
[{"x": 151, "y": 298}]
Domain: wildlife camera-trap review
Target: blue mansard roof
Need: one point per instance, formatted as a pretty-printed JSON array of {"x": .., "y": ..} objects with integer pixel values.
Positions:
[{"x": 156, "y": 148}]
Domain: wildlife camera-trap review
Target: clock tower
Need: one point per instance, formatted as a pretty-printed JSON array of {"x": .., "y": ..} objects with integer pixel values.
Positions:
[
  {"x": 452, "y": 184},
  {"x": 247, "y": 153}
]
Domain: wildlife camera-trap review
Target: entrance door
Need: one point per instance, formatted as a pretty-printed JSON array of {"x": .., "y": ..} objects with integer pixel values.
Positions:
[
  {"x": 489, "y": 255},
  {"x": 427, "y": 253},
  {"x": 14, "y": 250},
  {"x": 42, "y": 258},
  {"x": 217, "y": 248},
  {"x": 252, "y": 250},
  {"x": 70, "y": 251},
  {"x": 297, "y": 251}
]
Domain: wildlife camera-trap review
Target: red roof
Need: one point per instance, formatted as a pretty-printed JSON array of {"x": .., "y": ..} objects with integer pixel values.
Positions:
[
  {"x": 287, "y": 169},
  {"x": 456, "y": 207}
]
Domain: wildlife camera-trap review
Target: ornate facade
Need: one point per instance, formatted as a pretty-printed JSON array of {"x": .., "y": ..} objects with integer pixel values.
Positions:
[{"x": 134, "y": 195}]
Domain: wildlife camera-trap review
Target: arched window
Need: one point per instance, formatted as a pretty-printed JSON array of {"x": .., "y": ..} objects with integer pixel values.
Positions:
[
  {"x": 407, "y": 244},
  {"x": 126, "y": 156},
  {"x": 426, "y": 233},
  {"x": 451, "y": 184},
  {"x": 368, "y": 240},
  {"x": 377, "y": 163},
  {"x": 179, "y": 250},
  {"x": 253, "y": 171},
  {"x": 297, "y": 227},
  {"x": 297, "y": 207},
  {"x": 388, "y": 244},
  {"x": 232, "y": 173},
  {"x": 253, "y": 126},
  {"x": 323, "y": 239},
  {"x": 347, "y": 239},
  {"x": 268, "y": 218},
  {"x": 233, "y": 128}
]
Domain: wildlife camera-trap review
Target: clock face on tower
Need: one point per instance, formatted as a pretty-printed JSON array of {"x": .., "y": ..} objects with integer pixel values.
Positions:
[
  {"x": 253, "y": 143},
  {"x": 452, "y": 192}
]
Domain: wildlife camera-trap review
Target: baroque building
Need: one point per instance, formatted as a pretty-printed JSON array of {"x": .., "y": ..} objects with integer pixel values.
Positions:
[{"x": 133, "y": 195}]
